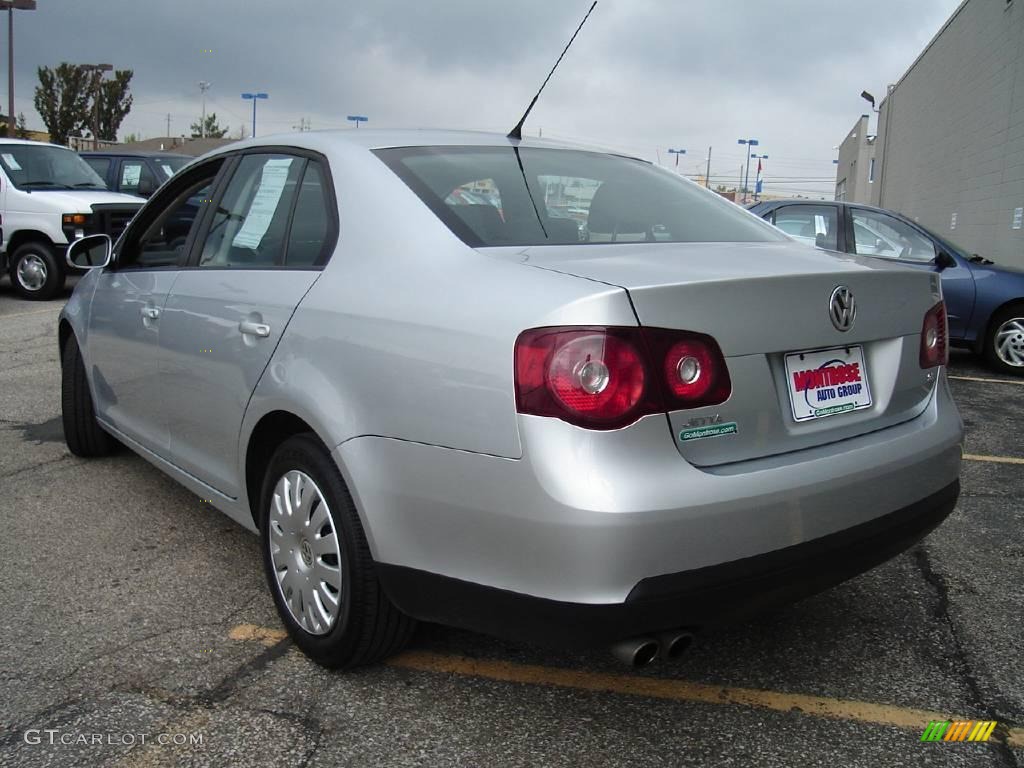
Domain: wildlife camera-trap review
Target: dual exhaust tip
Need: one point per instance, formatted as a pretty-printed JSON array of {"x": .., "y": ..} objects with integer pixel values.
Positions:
[{"x": 641, "y": 651}]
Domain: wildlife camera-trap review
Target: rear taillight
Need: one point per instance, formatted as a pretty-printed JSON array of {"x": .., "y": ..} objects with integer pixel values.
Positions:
[
  {"x": 935, "y": 337},
  {"x": 606, "y": 378}
]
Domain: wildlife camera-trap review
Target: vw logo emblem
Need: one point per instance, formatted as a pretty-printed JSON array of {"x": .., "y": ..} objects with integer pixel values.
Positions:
[{"x": 842, "y": 308}]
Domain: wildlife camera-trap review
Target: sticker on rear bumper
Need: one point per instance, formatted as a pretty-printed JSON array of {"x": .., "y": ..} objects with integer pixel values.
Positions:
[{"x": 714, "y": 430}]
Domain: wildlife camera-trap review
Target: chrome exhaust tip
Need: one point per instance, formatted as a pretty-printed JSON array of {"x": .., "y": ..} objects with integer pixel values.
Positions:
[
  {"x": 675, "y": 645},
  {"x": 636, "y": 651}
]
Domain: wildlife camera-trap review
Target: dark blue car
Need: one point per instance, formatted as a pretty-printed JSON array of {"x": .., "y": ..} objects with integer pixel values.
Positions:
[{"x": 984, "y": 302}]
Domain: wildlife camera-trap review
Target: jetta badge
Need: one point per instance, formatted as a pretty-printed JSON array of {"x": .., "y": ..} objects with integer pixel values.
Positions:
[{"x": 842, "y": 308}]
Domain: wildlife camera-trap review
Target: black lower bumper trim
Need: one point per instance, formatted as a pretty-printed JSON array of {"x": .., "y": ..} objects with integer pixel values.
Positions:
[{"x": 697, "y": 598}]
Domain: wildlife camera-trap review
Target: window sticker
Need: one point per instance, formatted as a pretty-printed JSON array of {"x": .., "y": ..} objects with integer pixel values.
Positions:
[
  {"x": 264, "y": 204},
  {"x": 11, "y": 162},
  {"x": 130, "y": 175}
]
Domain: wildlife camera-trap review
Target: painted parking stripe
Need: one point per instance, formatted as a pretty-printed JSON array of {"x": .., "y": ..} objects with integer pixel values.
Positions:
[
  {"x": 993, "y": 459},
  {"x": 908, "y": 718},
  {"x": 1018, "y": 382}
]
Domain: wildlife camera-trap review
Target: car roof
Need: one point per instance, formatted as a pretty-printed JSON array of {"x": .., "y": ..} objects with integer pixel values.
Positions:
[
  {"x": 132, "y": 153},
  {"x": 370, "y": 139},
  {"x": 805, "y": 201}
]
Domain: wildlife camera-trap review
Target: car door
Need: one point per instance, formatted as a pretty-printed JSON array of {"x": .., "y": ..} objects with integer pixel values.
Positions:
[
  {"x": 879, "y": 234},
  {"x": 228, "y": 310},
  {"x": 125, "y": 319}
]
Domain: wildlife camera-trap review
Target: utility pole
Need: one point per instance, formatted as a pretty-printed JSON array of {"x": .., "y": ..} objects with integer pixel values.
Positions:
[
  {"x": 707, "y": 174},
  {"x": 10, "y": 6},
  {"x": 168, "y": 123},
  {"x": 204, "y": 86},
  {"x": 303, "y": 126}
]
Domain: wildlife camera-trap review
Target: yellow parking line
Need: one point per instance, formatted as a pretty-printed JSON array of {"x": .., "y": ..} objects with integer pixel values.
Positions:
[
  {"x": 1018, "y": 382},
  {"x": 993, "y": 459},
  {"x": 908, "y": 718}
]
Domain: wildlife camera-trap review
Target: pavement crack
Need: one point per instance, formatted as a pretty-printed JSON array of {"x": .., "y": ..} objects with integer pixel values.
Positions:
[{"x": 961, "y": 664}]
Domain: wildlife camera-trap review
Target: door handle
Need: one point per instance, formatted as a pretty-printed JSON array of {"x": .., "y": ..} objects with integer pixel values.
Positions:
[
  {"x": 254, "y": 329},
  {"x": 150, "y": 313}
]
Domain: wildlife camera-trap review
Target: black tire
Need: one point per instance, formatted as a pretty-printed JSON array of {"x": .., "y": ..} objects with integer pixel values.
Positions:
[
  {"x": 82, "y": 433},
  {"x": 35, "y": 256},
  {"x": 1008, "y": 313},
  {"x": 368, "y": 627}
]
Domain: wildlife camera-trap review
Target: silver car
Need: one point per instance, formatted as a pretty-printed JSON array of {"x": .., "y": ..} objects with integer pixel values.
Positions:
[{"x": 445, "y": 407}]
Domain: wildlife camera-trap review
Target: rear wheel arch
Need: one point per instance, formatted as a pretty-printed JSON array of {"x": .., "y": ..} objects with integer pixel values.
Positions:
[
  {"x": 64, "y": 332},
  {"x": 269, "y": 433}
]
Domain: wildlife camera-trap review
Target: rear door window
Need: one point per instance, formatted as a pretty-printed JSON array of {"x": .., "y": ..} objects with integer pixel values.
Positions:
[
  {"x": 99, "y": 164},
  {"x": 815, "y": 225},
  {"x": 310, "y": 234},
  {"x": 878, "y": 234}
]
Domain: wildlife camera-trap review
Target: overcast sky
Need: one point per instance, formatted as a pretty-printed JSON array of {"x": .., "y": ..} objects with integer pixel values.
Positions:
[{"x": 643, "y": 76}]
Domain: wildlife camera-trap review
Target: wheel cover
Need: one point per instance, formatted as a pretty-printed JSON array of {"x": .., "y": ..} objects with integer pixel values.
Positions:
[
  {"x": 31, "y": 272},
  {"x": 304, "y": 552},
  {"x": 1009, "y": 342}
]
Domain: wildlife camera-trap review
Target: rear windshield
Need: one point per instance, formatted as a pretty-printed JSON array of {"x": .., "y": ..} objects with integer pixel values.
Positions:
[{"x": 490, "y": 196}]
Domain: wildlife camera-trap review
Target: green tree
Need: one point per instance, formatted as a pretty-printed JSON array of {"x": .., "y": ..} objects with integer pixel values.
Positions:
[
  {"x": 62, "y": 100},
  {"x": 213, "y": 130},
  {"x": 22, "y": 127},
  {"x": 115, "y": 102}
]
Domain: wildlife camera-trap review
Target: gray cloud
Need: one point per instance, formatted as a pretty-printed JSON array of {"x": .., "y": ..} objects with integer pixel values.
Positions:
[{"x": 643, "y": 75}]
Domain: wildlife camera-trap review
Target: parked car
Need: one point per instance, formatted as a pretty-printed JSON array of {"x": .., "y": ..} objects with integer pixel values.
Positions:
[
  {"x": 428, "y": 411},
  {"x": 49, "y": 197},
  {"x": 985, "y": 301},
  {"x": 135, "y": 172}
]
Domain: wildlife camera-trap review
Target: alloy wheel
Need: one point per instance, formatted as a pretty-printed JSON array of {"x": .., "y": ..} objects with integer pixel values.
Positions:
[
  {"x": 31, "y": 272},
  {"x": 305, "y": 552},
  {"x": 1009, "y": 342}
]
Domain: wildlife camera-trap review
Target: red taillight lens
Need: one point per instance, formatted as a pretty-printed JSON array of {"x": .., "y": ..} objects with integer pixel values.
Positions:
[
  {"x": 935, "y": 337},
  {"x": 604, "y": 378}
]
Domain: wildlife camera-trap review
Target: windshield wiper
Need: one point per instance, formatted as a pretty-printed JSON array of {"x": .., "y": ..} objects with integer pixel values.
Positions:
[
  {"x": 90, "y": 184},
  {"x": 43, "y": 183}
]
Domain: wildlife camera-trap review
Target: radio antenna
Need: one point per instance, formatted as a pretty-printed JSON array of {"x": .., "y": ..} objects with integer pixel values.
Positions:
[{"x": 517, "y": 132}]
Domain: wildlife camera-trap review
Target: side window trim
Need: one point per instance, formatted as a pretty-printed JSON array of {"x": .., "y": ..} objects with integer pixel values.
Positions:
[
  {"x": 158, "y": 203},
  {"x": 282, "y": 258},
  {"x": 232, "y": 161}
]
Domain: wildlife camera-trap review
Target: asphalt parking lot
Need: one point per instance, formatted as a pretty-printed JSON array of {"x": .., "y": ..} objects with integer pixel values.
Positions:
[{"x": 135, "y": 615}]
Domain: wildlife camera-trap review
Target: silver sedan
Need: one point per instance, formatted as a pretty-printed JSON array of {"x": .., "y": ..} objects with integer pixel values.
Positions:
[{"x": 520, "y": 387}]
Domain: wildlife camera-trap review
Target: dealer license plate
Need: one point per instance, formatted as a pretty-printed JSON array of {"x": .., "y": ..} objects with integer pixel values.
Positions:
[{"x": 824, "y": 382}]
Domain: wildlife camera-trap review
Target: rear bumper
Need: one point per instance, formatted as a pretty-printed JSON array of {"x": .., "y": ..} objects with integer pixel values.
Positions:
[
  {"x": 584, "y": 516},
  {"x": 694, "y": 599}
]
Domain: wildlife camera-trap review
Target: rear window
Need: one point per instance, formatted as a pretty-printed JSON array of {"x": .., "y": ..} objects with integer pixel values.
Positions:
[{"x": 491, "y": 196}]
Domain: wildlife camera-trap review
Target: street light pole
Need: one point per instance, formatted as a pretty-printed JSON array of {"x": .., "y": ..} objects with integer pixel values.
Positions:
[
  {"x": 707, "y": 173},
  {"x": 204, "y": 86},
  {"x": 10, "y": 6},
  {"x": 677, "y": 153},
  {"x": 746, "y": 176},
  {"x": 758, "y": 157},
  {"x": 357, "y": 119},
  {"x": 99, "y": 69},
  {"x": 255, "y": 97}
]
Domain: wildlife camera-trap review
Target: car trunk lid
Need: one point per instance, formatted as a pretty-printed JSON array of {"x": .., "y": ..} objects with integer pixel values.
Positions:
[{"x": 762, "y": 302}]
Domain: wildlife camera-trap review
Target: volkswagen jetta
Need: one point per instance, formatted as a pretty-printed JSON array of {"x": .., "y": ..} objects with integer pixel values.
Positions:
[{"x": 391, "y": 356}]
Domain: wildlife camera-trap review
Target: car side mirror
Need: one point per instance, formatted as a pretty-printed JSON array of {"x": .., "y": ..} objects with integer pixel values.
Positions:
[
  {"x": 944, "y": 261},
  {"x": 90, "y": 252}
]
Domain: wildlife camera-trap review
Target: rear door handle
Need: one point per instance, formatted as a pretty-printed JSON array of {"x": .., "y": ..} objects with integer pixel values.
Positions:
[
  {"x": 254, "y": 329},
  {"x": 150, "y": 313}
]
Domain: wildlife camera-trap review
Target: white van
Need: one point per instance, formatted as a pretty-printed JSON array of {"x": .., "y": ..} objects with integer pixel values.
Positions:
[{"x": 49, "y": 197}]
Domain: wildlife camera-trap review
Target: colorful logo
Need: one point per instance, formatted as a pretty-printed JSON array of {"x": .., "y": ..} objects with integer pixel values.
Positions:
[{"x": 958, "y": 730}]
